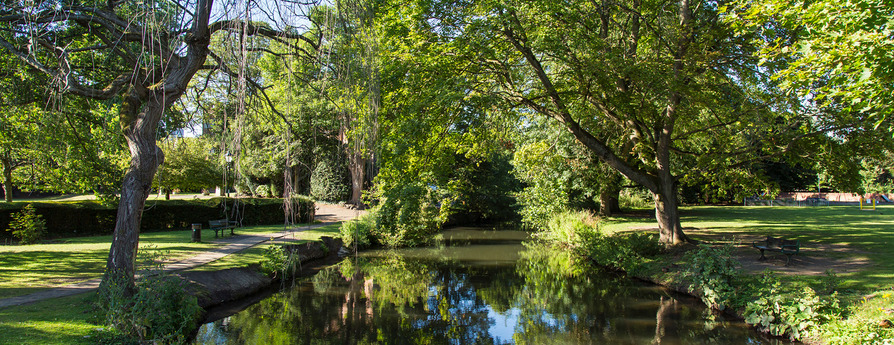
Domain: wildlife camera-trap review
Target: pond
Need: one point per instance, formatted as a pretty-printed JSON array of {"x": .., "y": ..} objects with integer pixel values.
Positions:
[{"x": 475, "y": 287}]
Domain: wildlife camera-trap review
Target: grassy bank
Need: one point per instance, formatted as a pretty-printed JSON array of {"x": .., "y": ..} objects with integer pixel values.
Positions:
[
  {"x": 69, "y": 320},
  {"x": 255, "y": 255},
  {"x": 839, "y": 232},
  {"x": 31, "y": 268},
  {"x": 848, "y": 306}
]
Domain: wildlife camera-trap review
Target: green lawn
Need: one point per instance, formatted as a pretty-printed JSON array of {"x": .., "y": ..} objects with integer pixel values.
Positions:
[
  {"x": 871, "y": 233},
  {"x": 67, "y": 320},
  {"x": 30, "y": 268},
  {"x": 255, "y": 254},
  {"x": 63, "y": 320}
]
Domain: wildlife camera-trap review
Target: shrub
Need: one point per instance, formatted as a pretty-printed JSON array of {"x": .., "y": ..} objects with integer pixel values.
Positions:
[
  {"x": 303, "y": 206},
  {"x": 160, "y": 311},
  {"x": 329, "y": 181},
  {"x": 624, "y": 251},
  {"x": 713, "y": 271},
  {"x": 571, "y": 228},
  {"x": 27, "y": 225},
  {"x": 263, "y": 191},
  {"x": 358, "y": 232},
  {"x": 793, "y": 314},
  {"x": 579, "y": 231},
  {"x": 635, "y": 199},
  {"x": 279, "y": 263},
  {"x": 83, "y": 218},
  {"x": 408, "y": 215}
]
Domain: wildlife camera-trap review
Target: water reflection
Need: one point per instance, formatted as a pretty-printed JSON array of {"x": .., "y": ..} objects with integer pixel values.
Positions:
[{"x": 438, "y": 296}]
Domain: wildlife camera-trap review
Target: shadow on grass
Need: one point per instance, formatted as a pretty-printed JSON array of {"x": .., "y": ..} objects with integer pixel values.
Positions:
[{"x": 867, "y": 230}]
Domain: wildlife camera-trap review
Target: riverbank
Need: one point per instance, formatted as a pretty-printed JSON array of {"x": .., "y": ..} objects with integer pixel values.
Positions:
[
  {"x": 70, "y": 320},
  {"x": 836, "y": 290}
]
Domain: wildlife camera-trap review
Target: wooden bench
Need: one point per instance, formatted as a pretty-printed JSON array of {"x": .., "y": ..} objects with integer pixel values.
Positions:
[
  {"x": 221, "y": 225},
  {"x": 776, "y": 244}
]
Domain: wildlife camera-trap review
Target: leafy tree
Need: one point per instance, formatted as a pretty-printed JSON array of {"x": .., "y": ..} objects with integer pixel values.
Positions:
[
  {"x": 141, "y": 53},
  {"x": 561, "y": 174},
  {"x": 837, "y": 53},
  {"x": 655, "y": 90},
  {"x": 189, "y": 165},
  {"x": 878, "y": 174},
  {"x": 27, "y": 225},
  {"x": 19, "y": 128}
]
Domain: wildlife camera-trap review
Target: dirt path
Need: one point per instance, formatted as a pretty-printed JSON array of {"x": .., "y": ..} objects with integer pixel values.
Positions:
[
  {"x": 335, "y": 213},
  {"x": 813, "y": 258},
  {"x": 325, "y": 213}
]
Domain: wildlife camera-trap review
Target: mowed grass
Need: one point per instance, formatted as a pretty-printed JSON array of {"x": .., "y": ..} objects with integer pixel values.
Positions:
[
  {"x": 65, "y": 320},
  {"x": 70, "y": 320},
  {"x": 255, "y": 255},
  {"x": 864, "y": 233},
  {"x": 30, "y": 268}
]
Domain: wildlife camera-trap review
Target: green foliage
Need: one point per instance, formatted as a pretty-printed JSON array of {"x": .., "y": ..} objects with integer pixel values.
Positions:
[
  {"x": 574, "y": 229},
  {"x": 834, "y": 52},
  {"x": 558, "y": 174},
  {"x": 878, "y": 174},
  {"x": 408, "y": 215},
  {"x": 330, "y": 181},
  {"x": 636, "y": 199},
  {"x": 263, "y": 191},
  {"x": 795, "y": 314},
  {"x": 27, "y": 225},
  {"x": 579, "y": 231},
  {"x": 861, "y": 327},
  {"x": 159, "y": 311},
  {"x": 278, "y": 262},
  {"x": 359, "y": 231},
  {"x": 544, "y": 194},
  {"x": 81, "y": 218},
  {"x": 625, "y": 251},
  {"x": 713, "y": 272},
  {"x": 480, "y": 190},
  {"x": 303, "y": 208},
  {"x": 189, "y": 165}
]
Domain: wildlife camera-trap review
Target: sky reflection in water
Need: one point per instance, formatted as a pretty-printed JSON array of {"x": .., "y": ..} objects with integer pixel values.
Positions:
[{"x": 477, "y": 287}]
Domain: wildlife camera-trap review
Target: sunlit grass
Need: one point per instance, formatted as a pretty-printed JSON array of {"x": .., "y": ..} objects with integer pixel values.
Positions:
[
  {"x": 63, "y": 320},
  {"x": 255, "y": 255},
  {"x": 28, "y": 269},
  {"x": 864, "y": 233}
]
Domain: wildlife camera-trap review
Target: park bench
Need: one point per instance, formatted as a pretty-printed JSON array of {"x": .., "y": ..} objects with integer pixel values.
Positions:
[
  {"x": 776, "y": 244},
  {"x": 221, "y": 225}
]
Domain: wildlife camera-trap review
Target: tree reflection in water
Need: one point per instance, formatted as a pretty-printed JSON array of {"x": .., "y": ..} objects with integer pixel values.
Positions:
[{"x": 544, "y": 298}]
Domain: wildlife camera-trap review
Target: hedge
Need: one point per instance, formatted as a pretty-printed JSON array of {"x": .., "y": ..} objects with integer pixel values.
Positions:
[{"x": 87, "y": 218}]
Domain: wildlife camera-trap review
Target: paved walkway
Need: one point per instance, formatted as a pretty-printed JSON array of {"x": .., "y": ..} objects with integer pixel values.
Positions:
[{"x": 328, "y": 213}]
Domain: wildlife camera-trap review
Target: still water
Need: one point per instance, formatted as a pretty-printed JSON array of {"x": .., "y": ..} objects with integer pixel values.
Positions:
[{"x": 476, "y": 287}]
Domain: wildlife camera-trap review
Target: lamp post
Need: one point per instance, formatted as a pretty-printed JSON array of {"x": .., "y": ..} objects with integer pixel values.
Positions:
[{"x": 229, "y": 159}]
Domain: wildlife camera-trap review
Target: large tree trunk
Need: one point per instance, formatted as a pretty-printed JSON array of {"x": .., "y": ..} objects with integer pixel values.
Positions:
[
  {"x": 7, "y": 177},
  {"x": 356, "y": 166},
  {"x": 139, "y": 122},
  {"x": 141, "y": 110},
  {"x": 667, "y": 214}
]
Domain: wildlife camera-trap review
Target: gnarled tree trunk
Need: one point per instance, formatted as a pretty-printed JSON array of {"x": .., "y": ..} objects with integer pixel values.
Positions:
[{"x": 139, "y": 121}]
